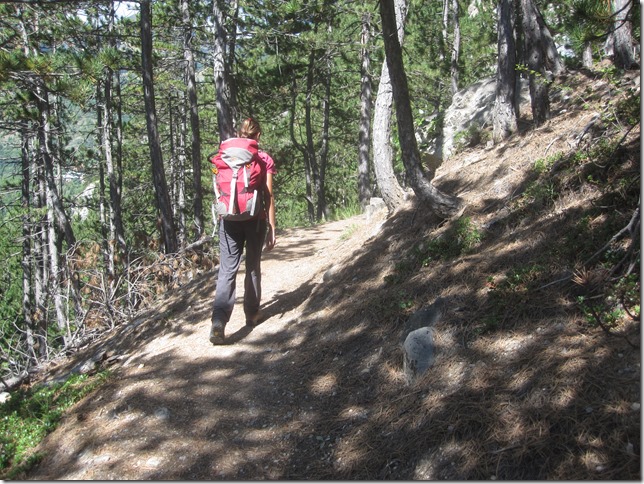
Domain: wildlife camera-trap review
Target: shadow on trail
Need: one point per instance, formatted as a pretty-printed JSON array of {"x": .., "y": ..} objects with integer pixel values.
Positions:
[{"x": 325, "y": 398}]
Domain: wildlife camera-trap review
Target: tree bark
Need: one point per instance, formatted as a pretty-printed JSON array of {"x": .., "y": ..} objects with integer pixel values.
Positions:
[
  {"x": 504, "y": 112},
  {"x": 622, "y": 36},
  {"x": 27, "y": 259},
  {"x": 443, "y": 205},
  {"x": 587, "y": 55},
  {"x": 222, "y": 90},
  {"x": 383, "y": 164},
  {"x": 195, "y": 134},
  {"x": 322, "y": 211},
  {"x": 456, "y": 47},
  {"x": 117, "y": 232},
  {"x": 539, "y": 97},
  {"x": 364, "y": 183},
  {"x": 310, "y": 205},
  {"x": 311, "y": 155},
  {"x": 158, "y": 173},
  {"x": 444, "y": 30}
]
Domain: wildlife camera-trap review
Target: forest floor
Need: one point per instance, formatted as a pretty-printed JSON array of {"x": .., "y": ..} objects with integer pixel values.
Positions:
[{"x": 317, "y": 390}]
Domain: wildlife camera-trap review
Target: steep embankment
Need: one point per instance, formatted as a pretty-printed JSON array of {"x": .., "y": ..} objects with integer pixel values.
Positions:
[{"x": 524, "y": 386}]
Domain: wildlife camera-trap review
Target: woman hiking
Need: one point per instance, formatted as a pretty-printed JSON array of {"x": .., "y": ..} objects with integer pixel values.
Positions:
[{"x": 255, "y": 232}]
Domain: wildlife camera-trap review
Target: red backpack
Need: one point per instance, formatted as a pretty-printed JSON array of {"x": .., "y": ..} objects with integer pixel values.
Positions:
[{"x": 240, "y": 177}]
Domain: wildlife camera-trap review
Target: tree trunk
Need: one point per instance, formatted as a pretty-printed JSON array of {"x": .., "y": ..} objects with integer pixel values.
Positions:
[
  {"x": 443, "y": 205},
  {"x": 27, "y": 259},
  {"x": 117, "y": 232},
  {"x": 156, "y": 155},
  {"x": 311, "y": 155},
  {"x": 222, "y": 90},
  {"x": 622, "y": 36},
  {"x": 390, "y": 190},
  {"x": 177, "y": 165},
  {"x": 587, "y": 55},
  {"x": 302, "y": 149},
  {"x": 105, "y": 220},
  {"x": 456, "y": 47},
  {"x": 195, "y": 135},
  {"x": 233, "y": 6},
  {"x": 444, "y": 32},
  {"x": 364, "y": 182},
  {"x": 536, "y": 55},
  {"x": 504, "y": 112},
  {"x": 322, "y": 212},
  {"x": 41, "y": 268},
  {"x": 60, "y": 216}
]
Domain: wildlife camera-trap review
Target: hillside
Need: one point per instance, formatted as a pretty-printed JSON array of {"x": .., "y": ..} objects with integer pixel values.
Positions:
[{"x": 526, "y": 385}]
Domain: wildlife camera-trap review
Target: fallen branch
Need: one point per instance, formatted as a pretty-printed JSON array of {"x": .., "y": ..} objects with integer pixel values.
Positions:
[{"x": 631, "y": 228}]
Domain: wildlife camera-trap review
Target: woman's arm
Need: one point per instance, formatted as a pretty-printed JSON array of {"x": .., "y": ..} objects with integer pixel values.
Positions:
[{"x": 270, "y": 205}]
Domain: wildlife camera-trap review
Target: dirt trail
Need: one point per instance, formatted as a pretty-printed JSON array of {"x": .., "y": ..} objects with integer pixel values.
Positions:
[{"x": 181, "y": 408}]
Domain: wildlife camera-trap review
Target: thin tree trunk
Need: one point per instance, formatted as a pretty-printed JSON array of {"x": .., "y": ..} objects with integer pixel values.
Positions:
[
  {"x": 107, "y": 242},
  {"x": 535, "y": 49},
  {"x": 117, "y": 232},
  {"x": 587, "y": 55},
  {"x": 456, "y": 47},
  {"x": 310, "y": 144},
  {"x": 504, "y": 113},
  {"x": 230, "y": 61},
  {"x": 322, "y": 213},
  {"x": 177, "y": 166},
  {"x": 156, "y": 155},
  {"x": 220, "y": 71},
  {"x": 302, "y": 149},
  {"x": 390, "y": 190},
  {"x": 622, "y": 36},
  {"x": 440, "y": 203},
  {"x": 442, "y": 48},
  {"x": 181, "y": 195},
  {"x": 107, "y": 228},
  {"x": 60, "y": 217},
  {"x": 366, "y": 102},
  {"x": 41, "y": 267},
  {"x": 27, "y": 260},
  {"x": 195, "y": 135}
]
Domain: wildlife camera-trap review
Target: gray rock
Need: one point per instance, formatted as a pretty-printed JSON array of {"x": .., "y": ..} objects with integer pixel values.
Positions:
[
  {"x": 470, "y": 106},
  {"x": 418, "y": 353},
  {"x": 418, "y": 339}
]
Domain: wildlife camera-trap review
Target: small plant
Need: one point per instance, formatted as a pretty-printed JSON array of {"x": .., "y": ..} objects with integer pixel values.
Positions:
[
  {"x": 542, "y": 165},
  {"x": 471, "y": 136},
  {"x": 467, "y": 235},
  {"x": 460, "y": 238},
  {"x": 628, "y": 110},
  {"x": 616, "y": 304},
  {"x": 349, "y": 231},
  {"x": 539, "y": 194},
  {"x": 31, "y": 414}
]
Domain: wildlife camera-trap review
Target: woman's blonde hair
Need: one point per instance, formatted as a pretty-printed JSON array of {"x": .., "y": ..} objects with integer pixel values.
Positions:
[{"x": 250, "y": 129}]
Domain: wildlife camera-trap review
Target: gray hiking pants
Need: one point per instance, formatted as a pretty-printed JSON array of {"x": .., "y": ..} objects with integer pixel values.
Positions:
[{"x": 232, "y": 238}]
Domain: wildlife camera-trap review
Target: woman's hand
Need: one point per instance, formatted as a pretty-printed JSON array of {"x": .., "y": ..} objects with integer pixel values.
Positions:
[{"x": 270, "y": 239}]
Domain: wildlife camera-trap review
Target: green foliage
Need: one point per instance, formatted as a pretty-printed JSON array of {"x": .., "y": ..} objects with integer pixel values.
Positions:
[
  {"x": 11, "y": 277},
  {"x": 31, "y": 414},
  {"x": 470, "y": 137},
  {"x": 618, "y": 302},
  {"x": 461, "y": 237},
  {"x": 627, "y": 111}
]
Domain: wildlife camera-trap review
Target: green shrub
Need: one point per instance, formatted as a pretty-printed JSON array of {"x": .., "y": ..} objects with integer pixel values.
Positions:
[{"x": 31, "y": 414}]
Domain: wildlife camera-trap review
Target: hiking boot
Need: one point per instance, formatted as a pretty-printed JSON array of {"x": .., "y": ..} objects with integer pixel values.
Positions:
[
  {"x": 217, "y": 333},
  {"x": 254, "y": 320}
]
